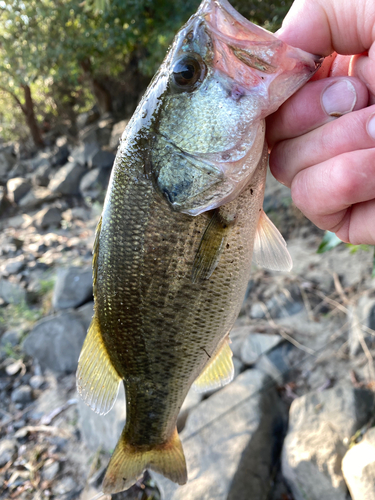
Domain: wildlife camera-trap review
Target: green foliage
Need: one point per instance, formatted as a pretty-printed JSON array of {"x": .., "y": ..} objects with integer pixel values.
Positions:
[{"x": 45, "y": 45}]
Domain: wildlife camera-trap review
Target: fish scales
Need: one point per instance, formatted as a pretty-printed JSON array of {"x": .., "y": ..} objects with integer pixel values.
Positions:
[
  {"x": 155, "y": 325},
  {"x": 181, "y": 219}
]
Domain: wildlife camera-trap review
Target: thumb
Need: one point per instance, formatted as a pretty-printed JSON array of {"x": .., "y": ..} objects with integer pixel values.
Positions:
[{"x": 324, "y": 26}]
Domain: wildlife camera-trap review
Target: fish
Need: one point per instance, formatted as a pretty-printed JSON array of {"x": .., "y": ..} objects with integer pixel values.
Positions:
[{"x": 181, "y": 221}]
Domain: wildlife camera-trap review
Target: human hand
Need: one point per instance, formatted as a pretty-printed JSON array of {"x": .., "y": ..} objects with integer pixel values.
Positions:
[{"x": 322, "y": 139}]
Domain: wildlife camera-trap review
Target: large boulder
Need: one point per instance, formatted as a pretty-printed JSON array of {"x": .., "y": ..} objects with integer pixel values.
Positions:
[
  {"x": 12, "y": 293},
  {"x": 73, "y": 287},
  {"x": 17, "y": 188},
  {"x": 49, "y": 216},
  {"x": 230, "y": 443},
  {"x": 319, "y": 425},
  {"x": 66, "y": 180},
  {"x": 358, "y": 467},
  {"x": 94, "y": 184},
  {"x": 56, "y": 342}
]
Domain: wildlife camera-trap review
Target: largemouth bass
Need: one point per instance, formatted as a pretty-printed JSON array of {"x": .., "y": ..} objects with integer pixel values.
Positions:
[{"x": 173, "y": 248}]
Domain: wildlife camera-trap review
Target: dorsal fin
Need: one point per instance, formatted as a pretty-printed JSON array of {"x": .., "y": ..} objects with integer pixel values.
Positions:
[
  {"x": 269, "y": 247},
  {"x": 97, "y": 378},
  {"x": 218, "y": 372}
]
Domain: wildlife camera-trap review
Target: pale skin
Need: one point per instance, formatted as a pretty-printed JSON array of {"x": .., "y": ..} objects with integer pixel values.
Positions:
[{"x": 323, "y": 145}]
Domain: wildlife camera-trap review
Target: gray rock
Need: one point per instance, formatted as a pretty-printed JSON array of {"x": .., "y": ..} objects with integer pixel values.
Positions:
[
  {"x": 61, "y": 153},
  {"x": 285, "y": 304},
  {"x": 17, "y": 188},
  {"x": 229, "y": 441},
  {"x": 258, "y": 310},
  {"x": 36, "y": 381},
  {"x": 101, "y": 159},
  {"x": 49, "y": 216},
  {"x": 66, "y": 180},
  {"x": 193, "y": 398},
  {"x": 4, "y": 202},
  {"x": 50, "y": 471},
  {"x": 22, "y": 395},
  {"x": 20, "y": 169},
  {"x": 257, "y": 344},
  {"x": 80, "y": 213},
  {"x": 56, "y": 342},
  {"x": 73, "y": 287},
  {"x": 8, "y": 449},
  {"x": 42, "y": 174},
  {"x": 117, "y": 131},
  {"x": 12, "y": 293},
  {"x": 85, "y": 314},
  {"x": 94, "y": 184},
  {"x": 7, "y": 159},
  {"x": 10, "y": 337},
  {"x": 358, "y": 467},
  {"x": 36, "y": 197},
  {"x": 102, "y": 431},
  {"x": 64, "y": 486},
  {"x": 13, "y": 265},
  {"x": 319, "y": 424},
  {"x": 89, "y": 150}
]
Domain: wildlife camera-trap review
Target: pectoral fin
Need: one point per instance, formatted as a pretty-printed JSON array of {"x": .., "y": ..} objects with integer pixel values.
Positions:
[
  {"x": 269, "y": 247},
  {"x": 218, "y": 372},
  {"x": 211, "y": 245},
  {"x": 97, "y": 379}
]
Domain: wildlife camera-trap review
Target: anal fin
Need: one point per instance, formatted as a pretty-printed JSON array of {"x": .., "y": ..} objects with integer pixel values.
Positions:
[
  {"x": 97, "y": 379},
  {"x": 218, "y": 372},
  {"x": 212, "y": 245},
  {"x": 269, "y": 247},
  {"x": 128, "y": 463}
]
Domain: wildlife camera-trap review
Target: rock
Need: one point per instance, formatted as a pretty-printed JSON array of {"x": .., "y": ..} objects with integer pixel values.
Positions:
[
  {"x": 85, "y": 314},
  {"x": 50, "y": 471},
  {"x": 256, "y": 344},
  {"x": 13, "y": 265},
  {"x": 101, "y": 159},
  {"x": 12, "y": 293},
  {"x": 89, "y": 150},
  {"x": 230, "y": 441},
  {"x": 36, "y": 197},
  {"x": 20, "y": 169},
  {"x": 10, "y": 338},
  {"x": 8, "y": 449},
  {"x": 64, "y": 486},
  {"x": 75, "y": 213},
  {"x": 319, "y": 424},
  {"x": 13, "y": 368},
  {"x": 86, "y": 118},
  {"x": 73, "y": 287},
  {"x": 66, "y": 180},
  {"x": 56, "y": 342},
  {"x": 358, "y": 467},
  {"x": 36, "y": 381},
  {"x": 117, "y": 131},
  {"x": 42, "y": 174},
  {"x": 61, "y": 153},
  {"x": 192, "y": 400},
  {"x": 7, "y": 159},
  {"x": 4, "y": 202},
  {"x": 49, "y": 216},
  {"x": 94, "y": 184},
  {"x": 17, "y": 188},
  {"x": 22, "y": 395},
  {"x": 102, "y": 431}
]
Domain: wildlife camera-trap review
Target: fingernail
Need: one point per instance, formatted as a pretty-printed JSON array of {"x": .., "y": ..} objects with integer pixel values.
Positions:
[
  {"x": 371, "y": 126},
  {"x": 339, "y": 98}
]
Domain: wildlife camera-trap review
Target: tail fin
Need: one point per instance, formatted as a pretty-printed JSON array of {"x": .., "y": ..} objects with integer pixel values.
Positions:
[{"x": 128, "y": 463}]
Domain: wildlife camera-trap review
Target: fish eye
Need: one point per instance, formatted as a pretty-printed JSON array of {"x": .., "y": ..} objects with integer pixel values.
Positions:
[{"x": 187, "y": 71}]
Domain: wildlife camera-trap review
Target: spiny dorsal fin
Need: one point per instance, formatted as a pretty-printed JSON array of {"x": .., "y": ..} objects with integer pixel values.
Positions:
[
  {"x": 211, "y": 245},
  {"x": 95, "y": 253},
  {"x": 269, "y": 247},
  {"x": 218, "y": 372},
  {"x": 128, "y": 463},
  {"x": 97, "y": 379}
]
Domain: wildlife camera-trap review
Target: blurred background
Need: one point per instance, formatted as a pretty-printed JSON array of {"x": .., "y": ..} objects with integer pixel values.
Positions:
[{"x": 297, "y": 422}]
